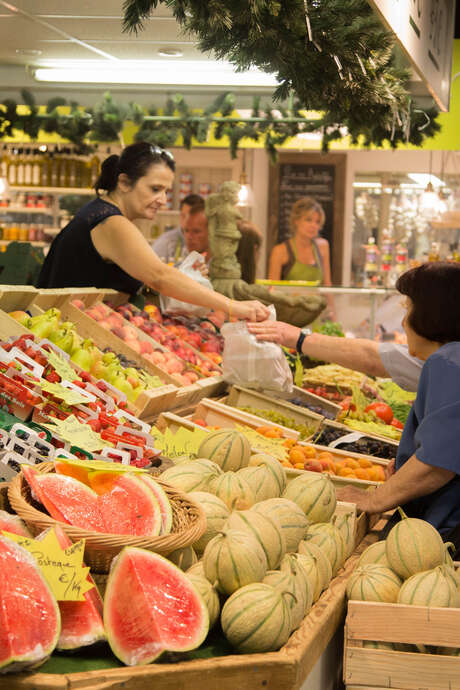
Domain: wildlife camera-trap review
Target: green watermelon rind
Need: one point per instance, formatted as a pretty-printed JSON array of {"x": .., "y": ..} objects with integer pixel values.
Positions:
[
  {"x": 163, "y": 502},
  {"x": 20, "y": 663},
  {"x": 109, "y": 594}
]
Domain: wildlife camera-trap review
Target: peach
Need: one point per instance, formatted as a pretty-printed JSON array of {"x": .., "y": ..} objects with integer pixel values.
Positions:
[{"x": 313, "y": 465}]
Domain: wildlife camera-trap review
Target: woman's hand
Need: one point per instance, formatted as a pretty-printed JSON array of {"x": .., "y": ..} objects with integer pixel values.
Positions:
[
  {"x": 275, "y": 332},
  {"x": 248, "y": 310}
]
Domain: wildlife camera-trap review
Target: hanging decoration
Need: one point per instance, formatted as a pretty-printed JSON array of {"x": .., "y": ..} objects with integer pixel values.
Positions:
[
  {"x": 333, "y": 57},
  {"x": 178, "y": 122}
]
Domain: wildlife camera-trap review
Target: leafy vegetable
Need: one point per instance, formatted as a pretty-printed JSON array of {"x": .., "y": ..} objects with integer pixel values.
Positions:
[{"x": 330, "y": 328}]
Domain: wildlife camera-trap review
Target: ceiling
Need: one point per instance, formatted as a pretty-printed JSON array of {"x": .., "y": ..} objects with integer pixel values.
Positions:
[{"x": 35, "y": 31}]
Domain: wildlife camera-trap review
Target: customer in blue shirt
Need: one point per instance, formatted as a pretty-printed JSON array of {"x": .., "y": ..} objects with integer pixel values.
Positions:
[{"x": 426, "y": 481}]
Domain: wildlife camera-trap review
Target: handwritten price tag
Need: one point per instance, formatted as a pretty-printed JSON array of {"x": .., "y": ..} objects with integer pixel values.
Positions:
[
  {"x": 70, "y": 397},
  {"x": 62, "y": 568},
  {"x": 62, "y": 367},
  {"x": 77, "y": 434},
  {"x": 179, "y": 443}
]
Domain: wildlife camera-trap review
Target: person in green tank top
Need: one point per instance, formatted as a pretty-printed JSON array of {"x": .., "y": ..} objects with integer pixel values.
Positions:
[{"x": 305, "y": 256}]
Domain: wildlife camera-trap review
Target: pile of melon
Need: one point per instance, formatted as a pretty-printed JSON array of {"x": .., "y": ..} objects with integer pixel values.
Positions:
[
  {"x": 412, "y": 566},
  {"x": 269, "y": 550}
]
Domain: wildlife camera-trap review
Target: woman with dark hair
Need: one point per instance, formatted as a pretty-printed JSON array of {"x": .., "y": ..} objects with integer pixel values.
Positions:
[
  {"x": 101, "y": 246},
  {"x": 425, "y": 478}
]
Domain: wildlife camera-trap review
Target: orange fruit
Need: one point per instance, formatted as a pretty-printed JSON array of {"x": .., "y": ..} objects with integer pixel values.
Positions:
[
  {"x": 272, "y": 432},
  {"x": 296, "y": 456},
  {"x": 377, "y": 473},
  {"x": 299, "y": 465},
  {"x": 340, "y": 463},
  {"x": 362, "y": 473},
  {"x": 262, "y": 429},
  {"x": 345, "y": 472},
  {"x": 325, "y": 455},
  {"x": 309, "y": 452},
  {"x": 289, "y": 442},
  {"x": 364, "y": 462},
  {"x": 351, "y": 462}
]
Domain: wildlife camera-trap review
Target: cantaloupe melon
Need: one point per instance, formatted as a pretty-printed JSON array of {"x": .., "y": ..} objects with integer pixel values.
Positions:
[
  {"x": 208, "y": 594},
  {"x": 274, "y": 467},
  {"x": 217, "y": 513},
  {"x": 267, "y": 532},
  {"x": 314, "y": 494},
  {"x": 196, "y": 569},
  {"x": 345, "y": 523},
  {"x": 413, "y": 546},
  {"x": 376, "y": 554},
  {"x": 256, "y": 618},
  {"x": 196, "y": 475},
  {"x": 322, "y": 563},
  {"x": 289, "y": 515},
  {"x": 184, "y": 558},
  {"x": 301, "y": 588},
  {"x": 233, "y": 559},
  {"x": 328, "y": 538},
  {"x": 261, "y": 481},
  {"x": 374, "y": 583},
  {"x": 309, "y": 565},
  {"x": 430, "y": 588},
  {"x": 234, "y": 491},
  {"x": 228, "y": 448}
]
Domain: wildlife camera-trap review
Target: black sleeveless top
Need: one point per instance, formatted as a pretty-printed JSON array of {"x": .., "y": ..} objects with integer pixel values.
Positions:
[{"x": 73, "y": 261}]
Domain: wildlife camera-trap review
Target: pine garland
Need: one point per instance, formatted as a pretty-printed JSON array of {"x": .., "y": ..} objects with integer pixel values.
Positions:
[
  {"x": 105, "y": 122},
  {"x": 333, "y": 55}
]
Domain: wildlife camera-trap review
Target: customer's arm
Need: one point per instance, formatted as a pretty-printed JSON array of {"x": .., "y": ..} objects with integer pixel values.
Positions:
[
  {"x": 119, "y": 241},
  {"x": 412, "y": 480},
  {"x": 353, "y": 353}
]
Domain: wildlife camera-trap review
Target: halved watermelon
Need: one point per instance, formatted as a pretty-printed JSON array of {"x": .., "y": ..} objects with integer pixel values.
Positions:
[
  {"x": 29, "y": 615},
  {"x": 127, "y": 505},
  {"x": 151, "y": 606},
  {"x": 14, "y": 524},
  {"x": 163, "y": 502},
  {"x": 81, "y": 621}
]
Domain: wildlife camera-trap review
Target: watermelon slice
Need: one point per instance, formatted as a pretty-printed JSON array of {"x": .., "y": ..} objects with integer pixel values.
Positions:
[
  {"x": 29, "y": 615},
  {"x": 151, "y": 606},
  {"x": 127, "y": 507},
  {"x": 13, "y": 524},
  {"x": 66, "y": 499},
  {"x": 126, "y": 504},
  {"x": 81, "y": 621},
  {"x": 80, "y": 469},
  {"x": 163, "y": 501}
]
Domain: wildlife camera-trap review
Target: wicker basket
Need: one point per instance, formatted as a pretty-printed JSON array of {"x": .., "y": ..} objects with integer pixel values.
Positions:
[{"x": 189, "y": 523}]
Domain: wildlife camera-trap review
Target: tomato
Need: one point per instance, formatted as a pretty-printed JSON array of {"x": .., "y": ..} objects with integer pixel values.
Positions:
[
  {"x": 383, "y": 411},
  {"x": 396, "y": 423}
]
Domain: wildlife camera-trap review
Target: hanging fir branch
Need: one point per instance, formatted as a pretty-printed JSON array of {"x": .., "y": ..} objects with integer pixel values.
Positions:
[
  {"x": 334, "y": 56},
  {"x": 177, "y": 120}
]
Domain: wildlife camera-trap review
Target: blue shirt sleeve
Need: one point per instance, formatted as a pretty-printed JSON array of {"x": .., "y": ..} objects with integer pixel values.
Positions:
[{"x": 437, "y": 409}]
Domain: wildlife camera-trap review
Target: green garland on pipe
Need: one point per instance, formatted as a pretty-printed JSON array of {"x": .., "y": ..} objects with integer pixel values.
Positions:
[
  {"x": 334, "y": 56},
  {"x": 105, "y": 122}
]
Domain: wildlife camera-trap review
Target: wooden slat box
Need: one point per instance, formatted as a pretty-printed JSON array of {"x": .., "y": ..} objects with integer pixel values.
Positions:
[
  {"x": 286, "y": 669},
  {"x": 367, "y": 668}
]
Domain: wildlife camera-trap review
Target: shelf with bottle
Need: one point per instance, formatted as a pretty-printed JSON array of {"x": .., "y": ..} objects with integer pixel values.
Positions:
[
  {"x": 61, "y": 168},
  {"x": 34, "y": 243}
]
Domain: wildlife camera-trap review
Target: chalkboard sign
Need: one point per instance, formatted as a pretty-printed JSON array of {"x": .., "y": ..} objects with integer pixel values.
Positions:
[
  {"x": 298, "y": 181},
  {"x": 321, "y": 176}
]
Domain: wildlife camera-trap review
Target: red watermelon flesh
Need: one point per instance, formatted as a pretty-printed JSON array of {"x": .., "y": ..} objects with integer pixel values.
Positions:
[
  {"x": 13, "y": 524},
  {"x": 29, "y": 614},
  {"x": 81, "y": 621},
  {"x": 66, "y": 499},
  {"x": 150, "y": 606},
  {"x": 128, "y": 508}
]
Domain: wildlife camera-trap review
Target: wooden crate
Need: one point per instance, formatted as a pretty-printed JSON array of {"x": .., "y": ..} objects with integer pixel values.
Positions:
[
  {"x": 16, "y": 297},
  {"x": 56, "y": 297},
  {"x": 286, "y": 669},
  {"x": 367, "y": 668},
  {"x": 239, "y": 396}
]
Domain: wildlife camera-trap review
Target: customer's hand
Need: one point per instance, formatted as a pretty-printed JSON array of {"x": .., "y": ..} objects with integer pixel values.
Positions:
[
  {"x": 351, "y": 494},
  {"x": 248, "y": 310},
  {"x": 275, "y": 332}
]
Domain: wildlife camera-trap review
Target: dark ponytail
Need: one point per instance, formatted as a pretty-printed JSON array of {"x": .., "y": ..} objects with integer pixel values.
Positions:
[
  {"x": 108, "y": 178},
  {"x": 134, "y": 162}
]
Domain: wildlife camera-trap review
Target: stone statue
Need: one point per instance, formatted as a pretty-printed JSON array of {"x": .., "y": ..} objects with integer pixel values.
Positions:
[{"x": 225, "y": 271}]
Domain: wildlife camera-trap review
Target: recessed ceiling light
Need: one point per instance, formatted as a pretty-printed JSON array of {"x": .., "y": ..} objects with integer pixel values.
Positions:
[
  {"x": 30, "y": 52},
  {"x": 170, "y": 52}
]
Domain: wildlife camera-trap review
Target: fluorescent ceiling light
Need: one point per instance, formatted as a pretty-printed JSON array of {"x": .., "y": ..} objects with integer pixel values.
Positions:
[
  {"x": 423, "y": 178},
  {"x": 162, "y": 72}
]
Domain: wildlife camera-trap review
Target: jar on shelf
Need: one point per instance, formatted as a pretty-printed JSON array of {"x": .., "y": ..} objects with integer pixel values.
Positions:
[{"x": 23, "y": 232}]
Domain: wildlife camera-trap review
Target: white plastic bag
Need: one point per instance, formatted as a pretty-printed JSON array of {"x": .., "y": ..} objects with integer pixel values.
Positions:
[
  {"x": 253, "y": 363},
  {"x": 170, "y": 305}
]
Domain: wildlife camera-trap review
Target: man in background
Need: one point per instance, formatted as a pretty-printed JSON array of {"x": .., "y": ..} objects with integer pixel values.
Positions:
[{"x": 171, "y": 246}]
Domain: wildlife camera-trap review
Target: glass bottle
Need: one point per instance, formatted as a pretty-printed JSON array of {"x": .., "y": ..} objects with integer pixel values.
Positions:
[
  {"x": 434, "y": 253},
  {"x": 27, "y": 168}
]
